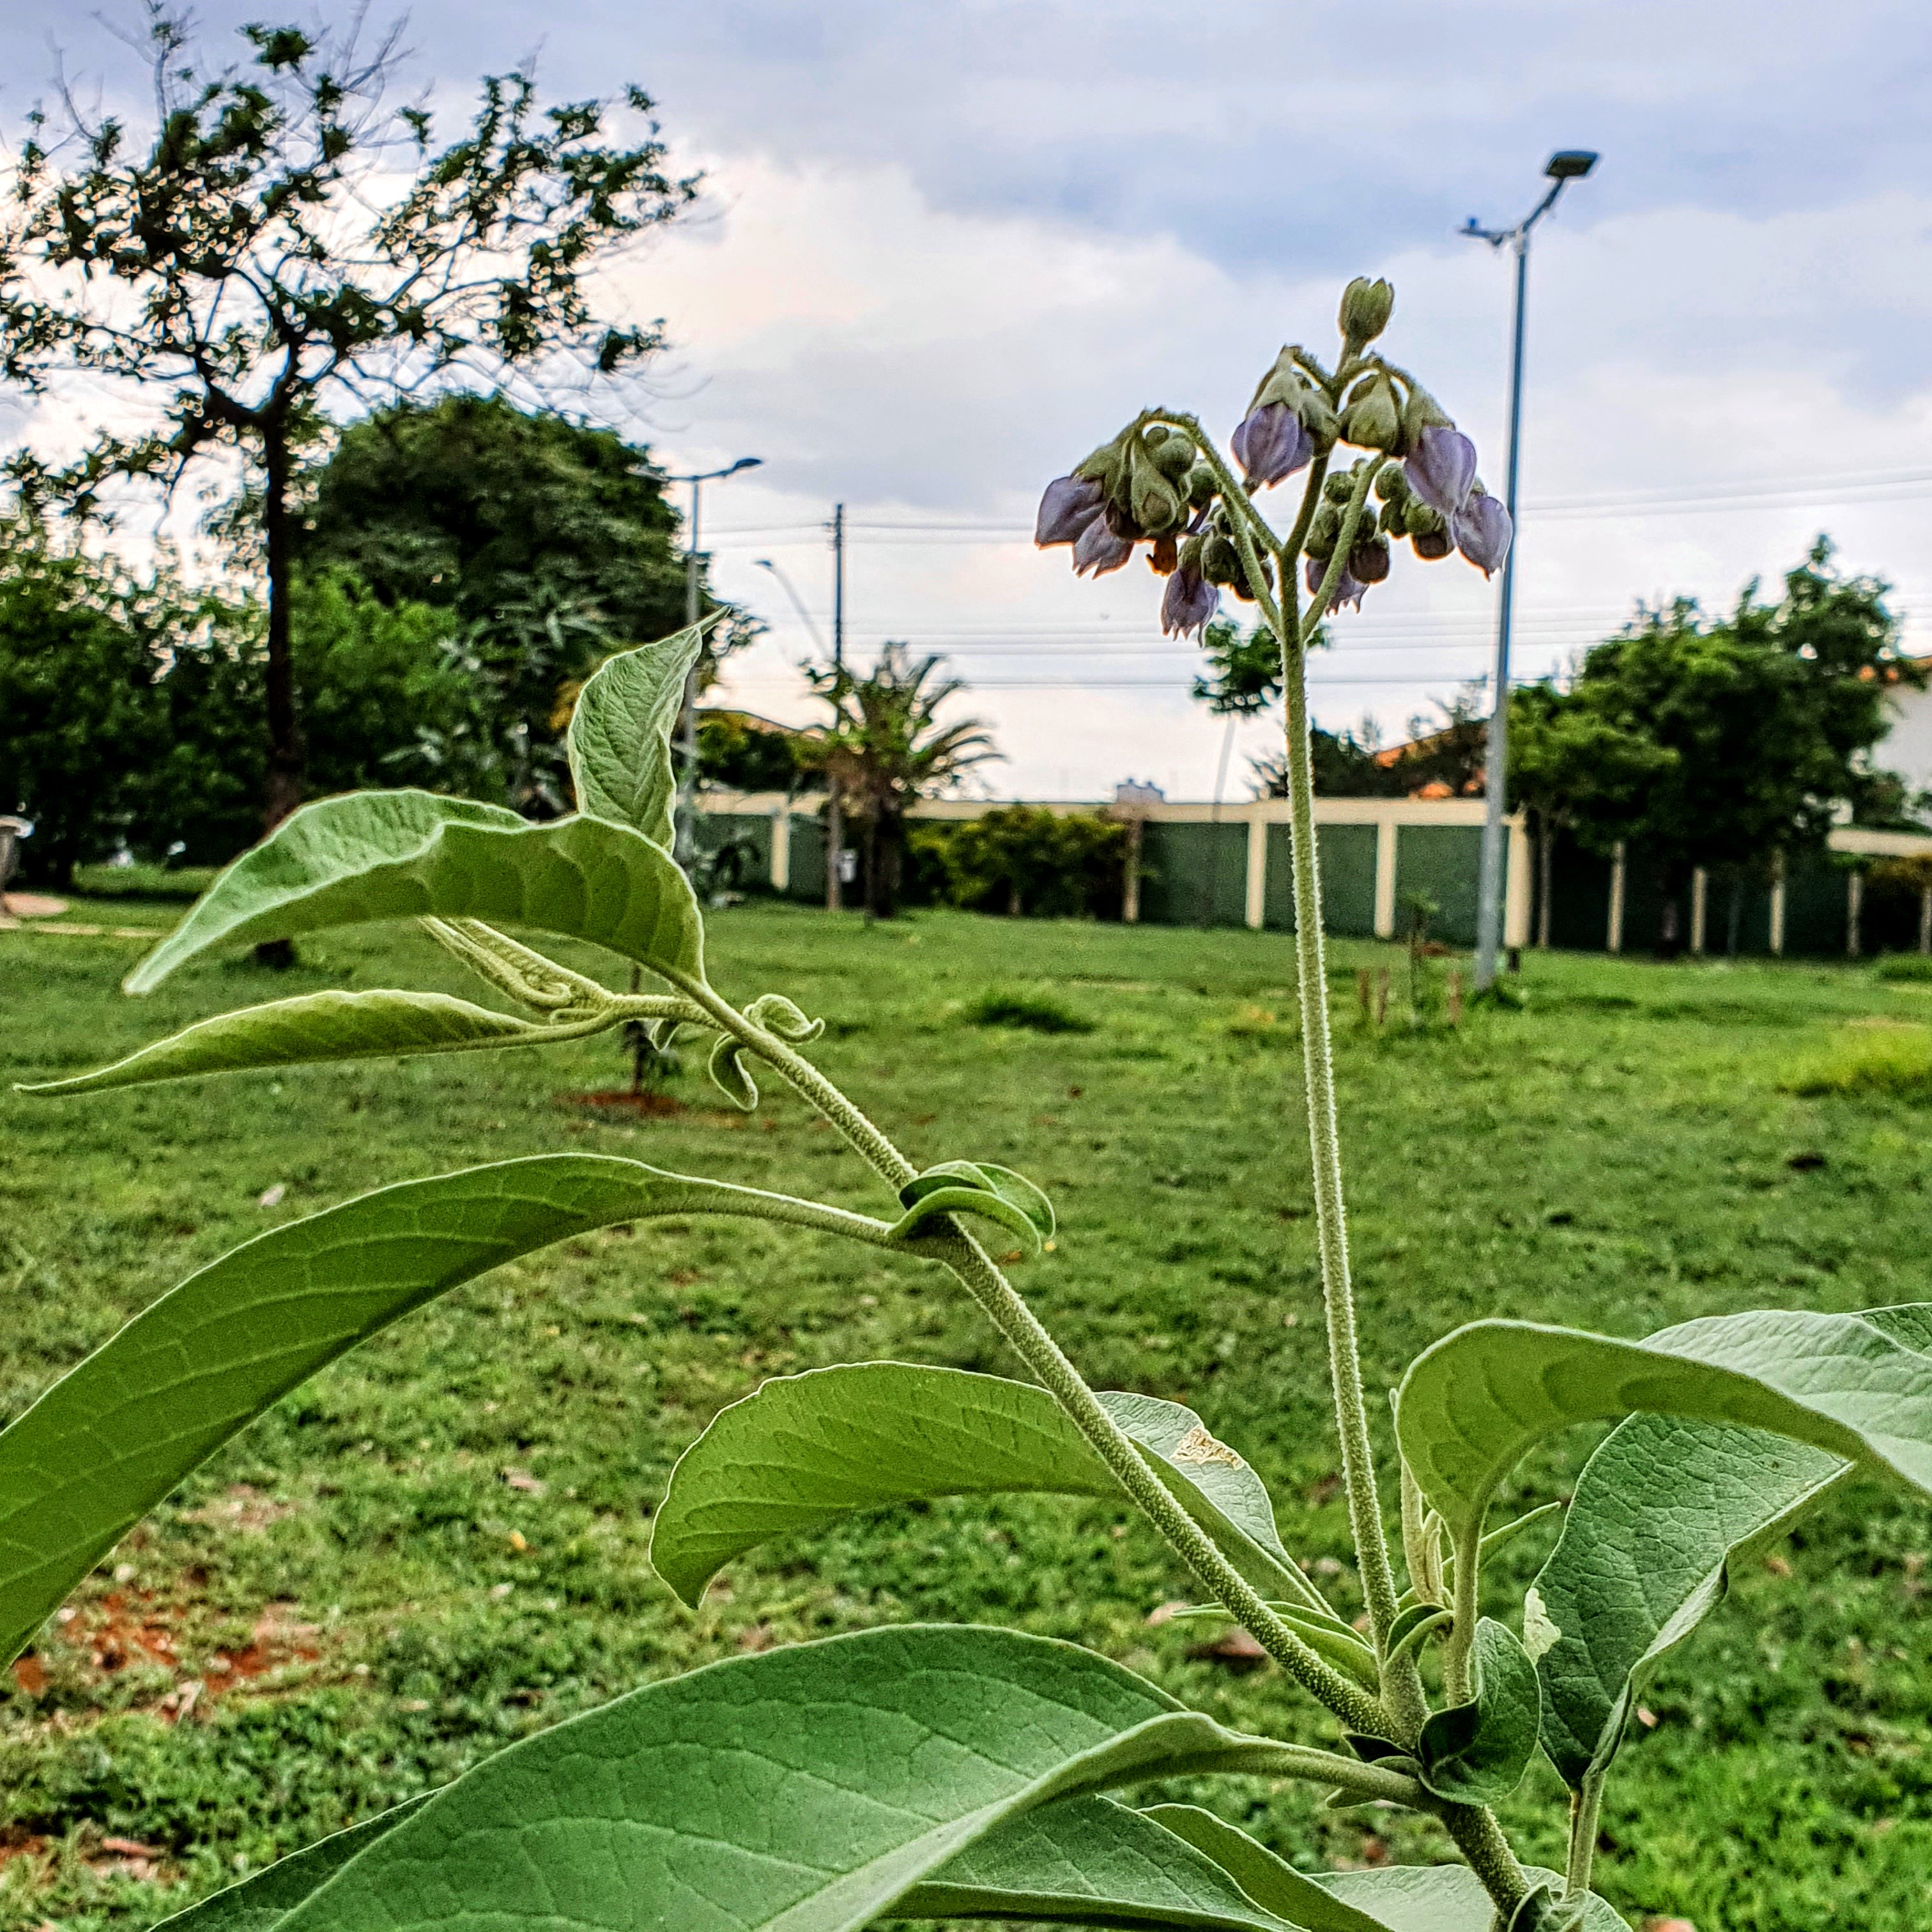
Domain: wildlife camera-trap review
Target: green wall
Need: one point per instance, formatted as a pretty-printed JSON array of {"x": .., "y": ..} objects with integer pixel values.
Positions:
[
  {"x": 1194, "y": 873},
  {"x": 1348, "y": 856},
  {"x": 1442, "y": 861}
]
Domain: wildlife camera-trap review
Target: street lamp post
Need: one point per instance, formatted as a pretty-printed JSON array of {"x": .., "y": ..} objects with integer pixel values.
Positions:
[
  {"x": 687, "y": 790},
  {"x": 1571, "y": 164}
]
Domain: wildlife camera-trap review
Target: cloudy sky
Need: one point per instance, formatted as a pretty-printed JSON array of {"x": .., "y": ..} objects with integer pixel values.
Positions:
[{"x": 946, "y": 248}]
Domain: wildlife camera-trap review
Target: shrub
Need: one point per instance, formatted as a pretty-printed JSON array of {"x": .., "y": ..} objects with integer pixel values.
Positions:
[{"x": 1035, "y": 1012}]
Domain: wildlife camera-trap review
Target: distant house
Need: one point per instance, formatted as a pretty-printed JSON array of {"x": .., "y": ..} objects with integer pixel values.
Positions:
[{"x": 1907, "y": 748}]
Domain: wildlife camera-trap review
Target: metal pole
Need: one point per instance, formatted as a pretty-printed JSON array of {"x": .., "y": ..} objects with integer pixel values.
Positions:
[
  {"x": 1495, "y": 761},
  {"x": 834, "y": 815},
  {"x": 687, "y": 817}
]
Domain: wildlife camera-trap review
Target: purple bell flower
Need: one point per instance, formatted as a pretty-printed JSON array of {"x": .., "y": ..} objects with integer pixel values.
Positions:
[
  {"x": 1188, "y": 604},
  {"x": 1441, "y": 469},
  {"x": 1348, "y": 589},
  {"x": 1270, "y": 443},
  {"x": 1483, "y": 533},
  {"x": 1100, "y": 548},
  {"x": 1069, "y": 504}
]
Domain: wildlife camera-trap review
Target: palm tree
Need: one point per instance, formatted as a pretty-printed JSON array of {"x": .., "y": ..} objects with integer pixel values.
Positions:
[{"x": 885, "y": 749}]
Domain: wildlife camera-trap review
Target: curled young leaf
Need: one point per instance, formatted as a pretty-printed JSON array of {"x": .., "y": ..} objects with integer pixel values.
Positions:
[
  {"x": 315, "y": 1027},
  {"x": 784, "y": 1017},
  {"x": 1476, "y": 1753},
  {"x": 1412, "y": 1625},
  {"x": 976, "y": 1187},
  {"x": 732, "y": 1077}
]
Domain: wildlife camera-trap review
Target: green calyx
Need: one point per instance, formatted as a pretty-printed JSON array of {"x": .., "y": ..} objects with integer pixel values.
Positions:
[
  {"x": 1366, "y": 308},
  {"x": 1373, "y": 419}
]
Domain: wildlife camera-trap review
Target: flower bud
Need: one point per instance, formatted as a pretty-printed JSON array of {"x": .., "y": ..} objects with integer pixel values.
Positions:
[
  {"x": 1373, "y": 419},
  {"x": 1368, "y": 561},
  {"x": 1188, "y": 605},
  {"x": 1102, "y": 547},
  {"x": 1393, "y": 521},
  {"x": 1172, "y": 450},
  {"x": 1244, "y": 590},
  {"x": 1220, "y": 562},
  {"x": 1153, "y": 501},
  {"x": 1366, "y": 308},
  {"x": 1441, "y": 468},
  {"x": 1324, "y": 532},
  {"x": 1270, "y": 443},
  {"x": 1338, "y": 487},
  {"x": 1200, "y": 486},
  {"x": 1432, "y": 546},
  {"x": 1069, "y": 504},
  {"x": 1391, "y": 485},
  {"x": 1347, "y": 589},
  {"x": 1482, "y": 532}
]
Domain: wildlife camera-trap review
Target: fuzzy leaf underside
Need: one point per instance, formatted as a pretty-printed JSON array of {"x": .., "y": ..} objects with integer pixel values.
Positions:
[
  {"x": 313, "y": 1026},
  {"x": 1663, "y": 1510},
  {"x": 120, "y": 1430},
  {"x": 1472, "y": 1404},
  {"x": 374, "y": 856},
  {"x": 620, "y": 738},
  {"x": 1476, "y": 1753},
  {"x": 803, "y": 1451}
]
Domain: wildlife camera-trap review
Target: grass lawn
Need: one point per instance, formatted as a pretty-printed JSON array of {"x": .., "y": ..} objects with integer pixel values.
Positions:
[{"x": 439, "y": 1545}]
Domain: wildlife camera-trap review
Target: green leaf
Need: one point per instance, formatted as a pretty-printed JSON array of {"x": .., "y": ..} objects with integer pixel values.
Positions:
[
  {"x": 112, "y": 1437},
  {"x": 313, "y": 1026},
  {"x": 730, "y": 1075},
  {"x": 1476, "y": 1753},
  {"x": 803, "y": 1451},
  {"x": 403, "y": 854},
  {"x": 619, "y": 737},
  {"x": 1327, "y": 1635},
  {"x": 260, "y": 1904},
  {"x": 976, "y": 1187},
  {"x": 1271, "y": 1882},
  {"x": 1662, "y": 1511},
  {"x": 1446, "y": 1898},
  {"x": 809, "y": 1788},
  {"x": 1414, "y": 1624},
  {"x": 1092, "y": 1862},
  {"x": 1472, "y": 1404}
]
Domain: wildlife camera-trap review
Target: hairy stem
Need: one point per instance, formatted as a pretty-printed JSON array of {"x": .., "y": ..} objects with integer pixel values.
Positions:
[
  {"x": 1586, "y": 1805},
  {"x": 1028, "y": 1337},
  {"x": 1462, "y": 1632},
  {"x": 1345, "y": 1365},
  {"x": 1479, "y": 1839}
]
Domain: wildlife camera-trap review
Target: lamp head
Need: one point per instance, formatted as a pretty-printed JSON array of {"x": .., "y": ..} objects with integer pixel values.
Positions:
[
  {"x": 753, "y": 462},
  {"x": 1569, "y": 164}
]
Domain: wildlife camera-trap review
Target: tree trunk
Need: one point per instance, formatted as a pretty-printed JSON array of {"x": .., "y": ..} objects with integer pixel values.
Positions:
[
  {"x": 284, "y": 788},
  {"x": 1545, "y": 866},
  {"x": 872, "y": 881},
  {"x": 283, "y": 792},
  {"x": 1734, "y": 918}
]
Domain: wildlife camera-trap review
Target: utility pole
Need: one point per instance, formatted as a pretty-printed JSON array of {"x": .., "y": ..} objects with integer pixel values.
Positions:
[
  {"x": 685, "y": 838},
  {"x": 834, "y": 815},
  {"x": 1572, "y": 164}
]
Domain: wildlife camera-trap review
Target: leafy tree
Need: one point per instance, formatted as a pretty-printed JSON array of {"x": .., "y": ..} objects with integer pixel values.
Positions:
[
  {"x": 1770, "y": 716},
  {"x": 80, "y": 651},
  {"x": 885, "y": 748},
  {"x": 1574, "y": 767},
  {"x": 248, "y": 263},
  {"x": 741, "y": 752},
  {"x": 551, "y": 543}
]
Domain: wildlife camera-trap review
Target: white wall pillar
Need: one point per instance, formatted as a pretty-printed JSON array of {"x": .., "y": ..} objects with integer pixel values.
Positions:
[
  {"x": 1613, "y": 939},
  {"x": 1700, "y": 899},
  {"x": 1257, "y": 901},
  {"x": 1385, "y": 839},
  {"x": 1855, "y": 907},
  {"x": 781, "y": 849},
  {"x": 1516, "y": 889},
  {"x": 1777, "y": 905},
  {"x": 1925, "y": 919}
]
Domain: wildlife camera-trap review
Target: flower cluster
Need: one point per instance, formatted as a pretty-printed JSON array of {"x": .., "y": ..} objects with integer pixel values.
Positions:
[{"x": 1149, "y": 484}]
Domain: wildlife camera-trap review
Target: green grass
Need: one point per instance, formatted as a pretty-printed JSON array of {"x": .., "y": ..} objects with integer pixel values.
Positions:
[
  {"x": 439, "y": 1545},
  {"x": 1032, "y": 1011},
  {"x": 140, "y": 881}
]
